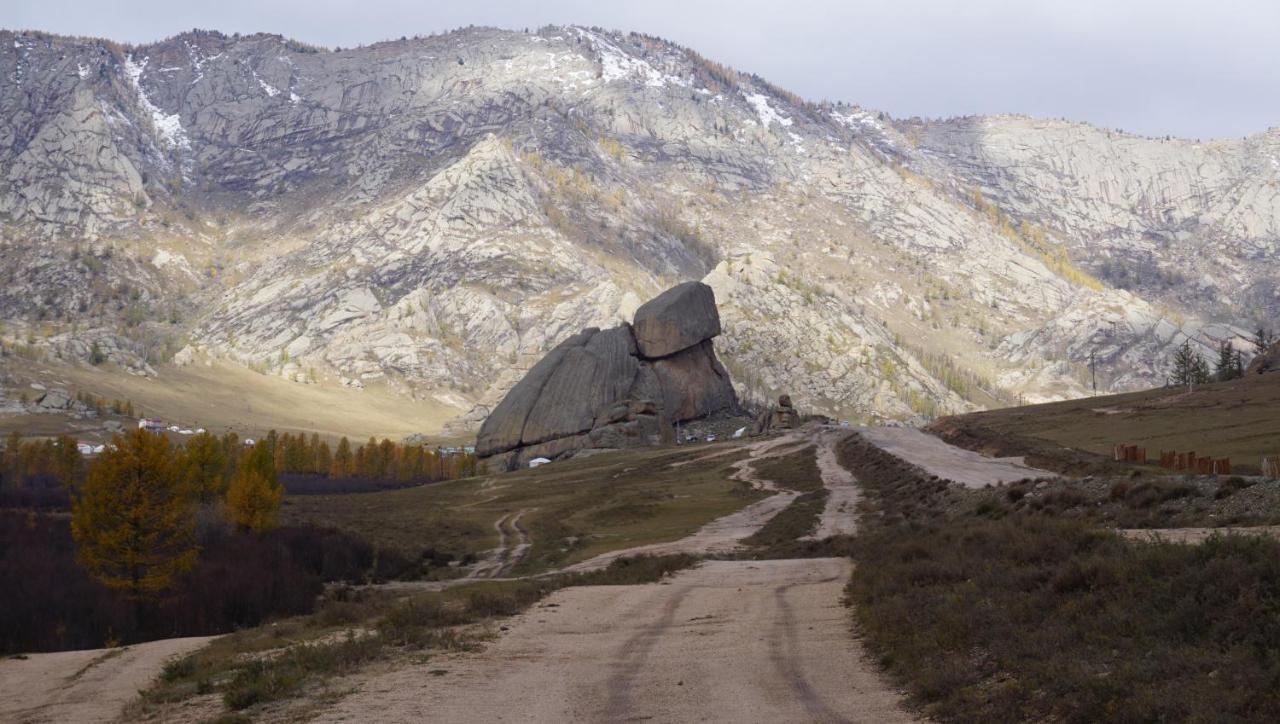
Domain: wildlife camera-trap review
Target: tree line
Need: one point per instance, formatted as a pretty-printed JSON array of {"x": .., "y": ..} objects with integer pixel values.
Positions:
[
  {"x": 1190, "y": 368},
  {"x": 55, "y": 463},
  {"x": 135, "y": 506}
]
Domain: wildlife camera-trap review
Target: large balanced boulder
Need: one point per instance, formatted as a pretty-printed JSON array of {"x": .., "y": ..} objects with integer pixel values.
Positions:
[
  {"x": 676, "y": 320},
  {"x": 607, "y": 389}
]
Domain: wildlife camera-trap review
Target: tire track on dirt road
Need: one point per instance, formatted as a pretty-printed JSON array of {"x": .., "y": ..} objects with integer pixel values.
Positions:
[{"x": 741, "y": 641}]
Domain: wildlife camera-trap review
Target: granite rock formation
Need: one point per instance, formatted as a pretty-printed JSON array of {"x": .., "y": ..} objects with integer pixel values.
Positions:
[
  {"x": 620, "y": 387},
  {"x": 1268, "y": 361}
]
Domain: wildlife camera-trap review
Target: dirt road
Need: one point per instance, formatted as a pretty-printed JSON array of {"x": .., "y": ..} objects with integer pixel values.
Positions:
[
  {"x": 742, "y": 641},
  {"x": 501, "y": 560},
  {"x": 947, "y": 461},
  {"x": 840, "y": 517},
  {"x": 722, "y": 534},
  {"x": 83, "y": 686}
]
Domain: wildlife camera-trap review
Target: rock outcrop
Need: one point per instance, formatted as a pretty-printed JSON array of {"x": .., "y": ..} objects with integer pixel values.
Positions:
[
  {"x": 428, "y": 214},
  {"x": 1265, "y": 362},
  {"x": 676, "y": 320},
  {"x": 620, "y": 387},
  {"x": 782, "y": 417}
]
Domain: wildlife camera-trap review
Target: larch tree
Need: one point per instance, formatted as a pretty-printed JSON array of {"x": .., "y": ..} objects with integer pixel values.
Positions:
[
  {"x": 1225, "y": 369},
  {"x": 1189, "y": 368},
  {"x": 204, "y": 467},
  {"x": 324, "y": 459},
  {"x": 132, "y": 520},
  {"x": 343, "y": 461},
  {"x": 254, "y": 496}
]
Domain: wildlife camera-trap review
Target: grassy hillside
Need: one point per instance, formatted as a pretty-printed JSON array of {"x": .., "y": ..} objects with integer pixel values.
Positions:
[
  {"x": 223, "y": 397},
  {"x": 1239, "y": 420}
]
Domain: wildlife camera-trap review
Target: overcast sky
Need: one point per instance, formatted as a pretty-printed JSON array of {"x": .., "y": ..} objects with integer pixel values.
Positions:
[{"x": 1194, "y": 69}]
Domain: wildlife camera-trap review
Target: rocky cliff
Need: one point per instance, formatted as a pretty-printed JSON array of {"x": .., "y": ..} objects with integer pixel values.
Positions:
[
  {"x": 433, "y": 214},
  {"x": 623, "y": 387}
]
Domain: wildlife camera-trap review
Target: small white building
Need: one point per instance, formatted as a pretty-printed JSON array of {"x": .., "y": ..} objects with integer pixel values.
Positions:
[
  {"x": 536, "y": 462},
  {"x": 151, "y": 424}
]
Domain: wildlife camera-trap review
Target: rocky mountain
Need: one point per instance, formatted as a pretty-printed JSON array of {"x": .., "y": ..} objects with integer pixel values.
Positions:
[{"x": 433, "y": 214}]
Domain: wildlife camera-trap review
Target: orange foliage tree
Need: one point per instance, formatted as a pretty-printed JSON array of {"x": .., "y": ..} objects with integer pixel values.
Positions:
[
  {"x": 254, "y": 497},
  {"x": 132, "y": 520}
]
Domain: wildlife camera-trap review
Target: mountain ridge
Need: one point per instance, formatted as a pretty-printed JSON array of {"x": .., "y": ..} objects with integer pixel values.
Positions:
[{"x": 433, "y": 214}]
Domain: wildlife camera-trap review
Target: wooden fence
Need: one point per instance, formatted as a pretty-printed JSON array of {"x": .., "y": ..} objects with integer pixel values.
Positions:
[{"x": 1190, "y": 462}]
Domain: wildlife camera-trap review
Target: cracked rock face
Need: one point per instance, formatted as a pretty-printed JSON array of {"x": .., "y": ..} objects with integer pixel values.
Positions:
[
  {"x": 601, "y": 388},
  {"x": 676, "y": 319},
  {"x": 434, "y": 215}
]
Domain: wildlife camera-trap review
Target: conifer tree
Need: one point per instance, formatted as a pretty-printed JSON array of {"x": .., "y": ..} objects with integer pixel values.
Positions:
[
  {"x": 1225, "y": 369},
  {"x": 343, "y": 461},
  {"x": 324, "y": 459},
  {"x": 132, "y": 520},
  {"x": 254, "y": 496},
  {"x": 1262, "y": 340},
  {"x": 204, "y": 467},
  {"x": 1189, "y": 367}
]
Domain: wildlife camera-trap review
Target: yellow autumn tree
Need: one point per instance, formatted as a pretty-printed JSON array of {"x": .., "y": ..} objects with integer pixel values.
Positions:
[
  {"x": 254, "y": 496},
  {"x": 204, "y": 465},
  {"x": 133, "y": 521}
]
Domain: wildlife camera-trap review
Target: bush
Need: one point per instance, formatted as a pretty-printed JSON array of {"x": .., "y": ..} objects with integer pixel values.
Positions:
[
  {"x": 1019, "y": 619},
  {"x": 275, "y": 678}
]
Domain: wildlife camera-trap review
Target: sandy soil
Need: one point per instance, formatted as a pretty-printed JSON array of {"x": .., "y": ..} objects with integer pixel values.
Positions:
[
  {"x": 83, "y": 686},
  {"x": 840, "y": 517},
  {"x": 947, "y": 461},
  {"x": 1193, "y": 535},
  {"x": 741, "y": 641}
]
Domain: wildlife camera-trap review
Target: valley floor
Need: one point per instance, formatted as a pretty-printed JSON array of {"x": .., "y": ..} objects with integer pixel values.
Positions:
[{"x": 764, "y": 633}]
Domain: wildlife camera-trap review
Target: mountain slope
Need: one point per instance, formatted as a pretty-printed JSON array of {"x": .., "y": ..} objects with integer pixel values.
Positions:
[{"x": 432, "y": 214}]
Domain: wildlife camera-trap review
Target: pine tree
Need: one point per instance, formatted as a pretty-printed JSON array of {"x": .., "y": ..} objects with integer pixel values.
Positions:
[
  {"x": 254, "y": 496},
  {"x": 132, "y": 521}
]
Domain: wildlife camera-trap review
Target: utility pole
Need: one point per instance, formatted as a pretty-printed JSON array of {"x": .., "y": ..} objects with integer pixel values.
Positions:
[{"x": 1093, "y": 371}]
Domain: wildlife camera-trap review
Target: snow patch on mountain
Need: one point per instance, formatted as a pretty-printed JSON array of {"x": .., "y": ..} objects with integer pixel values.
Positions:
[
  {"x": 168, "y": 125},
  {"x": 768, "y": 116}
]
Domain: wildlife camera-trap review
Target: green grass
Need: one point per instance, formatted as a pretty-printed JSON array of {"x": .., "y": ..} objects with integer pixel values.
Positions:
[
  {"x": 573, "y": 509},
  {"x": 797, "y": 471}
]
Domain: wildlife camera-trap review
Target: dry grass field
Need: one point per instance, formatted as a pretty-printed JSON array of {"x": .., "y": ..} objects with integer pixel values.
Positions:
[
  {"x": 226, "y": 397},
  {"x": 566, "y": 512},
  {"x": 1239, "y": 420}
]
